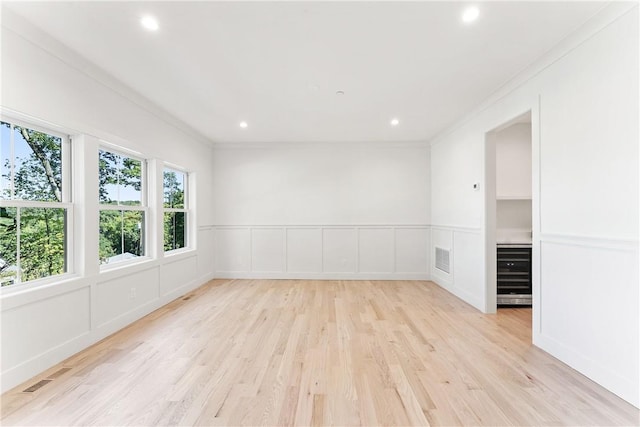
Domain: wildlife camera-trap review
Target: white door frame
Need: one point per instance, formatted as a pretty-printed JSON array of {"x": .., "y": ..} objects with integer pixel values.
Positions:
[{"x": 489, "y": 225}]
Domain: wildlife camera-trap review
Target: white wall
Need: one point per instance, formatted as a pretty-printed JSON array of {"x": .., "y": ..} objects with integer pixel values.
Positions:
[
  {"x": 584, "y": 102},
  {"x": 513, "y": 162},
  {"x": 513, "y": 221},
  {"x": 513, "y": 183},
  {"x": 322, "y": 210},
  {"x": 42, "y": 325}
]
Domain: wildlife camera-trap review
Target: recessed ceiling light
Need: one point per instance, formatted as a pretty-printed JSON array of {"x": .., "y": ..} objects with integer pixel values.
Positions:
[
  {"x": 339, "y": 92},
  {"x": 470, "y": 14},
  {"x": 149, "y": 22},
  {"x": 395, "y": 122},
  {"x": 244, "y": 125}
]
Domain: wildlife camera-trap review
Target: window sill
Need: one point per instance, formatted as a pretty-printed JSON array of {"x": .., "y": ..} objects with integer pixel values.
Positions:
[
  {"x": 179, "y": 254},
  {"x": 16, "y": 295},
  {"x": 123, "y": 268}
]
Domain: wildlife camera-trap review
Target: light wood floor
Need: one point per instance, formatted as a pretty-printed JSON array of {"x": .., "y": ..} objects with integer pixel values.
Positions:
[{"x": 265, "y": 352}]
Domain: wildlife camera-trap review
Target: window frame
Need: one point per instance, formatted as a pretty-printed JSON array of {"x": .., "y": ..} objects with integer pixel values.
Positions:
[
  {"x": 186, "y": 209},
  {"x": 66, "y": 203},
  {"x": 142, "y": 207}
]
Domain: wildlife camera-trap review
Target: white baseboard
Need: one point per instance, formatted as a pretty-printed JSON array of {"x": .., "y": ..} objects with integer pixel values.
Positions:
[
  {"x": 464, "y": 296},
  {"x": 32, "y": 367},
  {"x": 625, "y": 388},
  {"x": 320, "y": 276}
]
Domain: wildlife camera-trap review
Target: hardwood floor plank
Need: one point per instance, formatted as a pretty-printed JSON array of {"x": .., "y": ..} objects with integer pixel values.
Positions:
[{"x": 308, "y": 352}]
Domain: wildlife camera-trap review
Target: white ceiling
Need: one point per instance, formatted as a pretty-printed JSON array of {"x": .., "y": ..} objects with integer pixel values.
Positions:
[{"x": 278, "y": 65}]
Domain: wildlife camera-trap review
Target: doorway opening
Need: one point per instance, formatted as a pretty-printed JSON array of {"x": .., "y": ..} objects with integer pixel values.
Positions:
[{"x": 509, "y": 219}]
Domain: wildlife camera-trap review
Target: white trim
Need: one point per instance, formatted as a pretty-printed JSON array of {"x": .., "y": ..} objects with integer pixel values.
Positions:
[
  {"x": 463, "y": 295},
  {"x": 174, "y": 167},
  {"x": 319, "y": 276},
  {"x": 178, "y": 254},
  {"x": 338, "y": 226},
  {"x": 7, "y": 293},
  {"x": 458, "y": 228},
  {"x": 139, "y": 208},
  {"x": 34, "y": 204},
  {"x": 119, "y": 150},
  {"x": 613, "y": 243},
  {"x": 624, "y": 387},
  {"x": 35, "y": 123},
  {"x": 124, "y": 268}
]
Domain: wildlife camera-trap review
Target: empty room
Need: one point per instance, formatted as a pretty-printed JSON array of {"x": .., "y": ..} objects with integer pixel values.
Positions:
[{"x": 319, "y": 213}]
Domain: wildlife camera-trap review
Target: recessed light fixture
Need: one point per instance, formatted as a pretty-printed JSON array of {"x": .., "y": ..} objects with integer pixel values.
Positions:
[
  {"x": 339, "y": 92},
  {"x": 470, "y": 14},
  {"x": 244, "y": 125},
  {"x": 149, "y": 23},
  {"x": 395, "y": 122}
]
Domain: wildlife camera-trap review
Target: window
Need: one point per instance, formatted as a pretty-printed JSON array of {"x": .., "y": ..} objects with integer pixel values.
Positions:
[
  {"x": 175, "y": 209},
  {"x": 122, "y": 207},
  {"x": 35, "y": 203}
]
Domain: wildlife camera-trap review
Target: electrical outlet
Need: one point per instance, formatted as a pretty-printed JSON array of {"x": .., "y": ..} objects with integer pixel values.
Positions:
[{"x": 132, "y": 293}]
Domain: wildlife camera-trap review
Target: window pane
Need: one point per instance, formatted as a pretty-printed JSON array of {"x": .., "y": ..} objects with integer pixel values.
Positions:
[
  {"x": 174, "y": 189},
  {"x": 37, "y": 165},
  {"x": 121, "y": 236},
  {"x": 8, "y": 247},
  {"x": 110, "y": 236},
  {"x": 42, "y": 242},
  {"x": 133, "y": 233},
  {"x": 5, "y": 162},
  {"x": 109, "y": 164},
  {"x": 174, "y": 227},
  {"x": 120, "y": 179},
  {"x": 131, "y": 182}
]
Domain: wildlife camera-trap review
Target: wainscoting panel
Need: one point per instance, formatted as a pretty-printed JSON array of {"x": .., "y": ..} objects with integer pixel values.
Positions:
[
  {"x": 175, "y": 273},
  {"x": 55, "y": 320},
  {"x": 323, "y": 251},
  {"x": 233, "y": 249},
  {"x": 124, "y": 294},
  {"x": 583, "y": 317},
  {"x": 339, "y": 247},
  {"x": 442, "y": 238},
  {"x": 376, "y": 248},
  {"x": 412, "y": 249},
  {"x": 266, "y": 249},
  {"x": 466, "y": 268},
  {"x": 304, "y": 250}
]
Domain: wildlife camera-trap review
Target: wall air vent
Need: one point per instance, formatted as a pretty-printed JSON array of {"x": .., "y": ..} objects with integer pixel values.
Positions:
[{"x": 442, "y": 260}]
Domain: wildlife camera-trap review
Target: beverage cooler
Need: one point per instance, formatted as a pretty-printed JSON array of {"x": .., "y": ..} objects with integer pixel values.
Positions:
[{"x": 514, "y": 274}]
